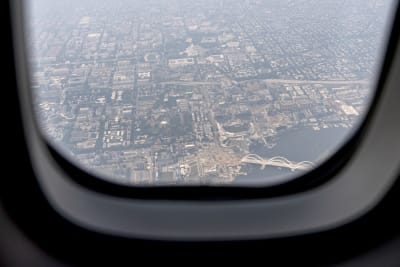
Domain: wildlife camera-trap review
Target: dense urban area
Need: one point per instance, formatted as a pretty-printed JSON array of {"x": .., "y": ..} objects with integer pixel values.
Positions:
[{"x": 181, "y": 92}]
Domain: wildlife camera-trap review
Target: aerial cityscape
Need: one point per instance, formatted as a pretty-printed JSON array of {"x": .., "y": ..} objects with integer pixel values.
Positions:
[{"x": 202, "y": 92}]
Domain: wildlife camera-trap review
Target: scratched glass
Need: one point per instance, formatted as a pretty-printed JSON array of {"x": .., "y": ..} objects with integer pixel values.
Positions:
[{"x": 203, "y": 92}]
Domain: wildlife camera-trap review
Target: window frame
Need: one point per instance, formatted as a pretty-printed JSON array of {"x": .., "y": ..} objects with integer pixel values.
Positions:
[{"x": 214, "y": 212}]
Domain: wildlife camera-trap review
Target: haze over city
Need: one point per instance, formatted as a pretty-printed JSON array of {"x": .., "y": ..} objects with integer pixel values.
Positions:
[{"x": 203, "y": 92}]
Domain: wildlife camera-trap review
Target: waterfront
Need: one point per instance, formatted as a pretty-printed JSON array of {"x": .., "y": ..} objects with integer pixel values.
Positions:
[{"x": 298, "y": 145}]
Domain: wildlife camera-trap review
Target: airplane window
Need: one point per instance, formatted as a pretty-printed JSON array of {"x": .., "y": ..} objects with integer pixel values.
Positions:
[{"x": 203, "y": 92}]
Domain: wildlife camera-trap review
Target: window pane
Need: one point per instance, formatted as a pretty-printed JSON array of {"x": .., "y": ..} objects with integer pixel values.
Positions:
[{"x": 192, "y": 92}]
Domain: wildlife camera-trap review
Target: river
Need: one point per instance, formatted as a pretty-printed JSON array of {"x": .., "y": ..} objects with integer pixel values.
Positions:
[{"x": 295, "y": 145}]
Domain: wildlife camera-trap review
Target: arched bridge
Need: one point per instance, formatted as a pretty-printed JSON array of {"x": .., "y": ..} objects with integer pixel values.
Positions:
[{"x": 277, "y": 162}]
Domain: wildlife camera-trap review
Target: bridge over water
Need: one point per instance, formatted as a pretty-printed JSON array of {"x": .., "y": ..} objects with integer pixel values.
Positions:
[{"x": 277, "y": 162}]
